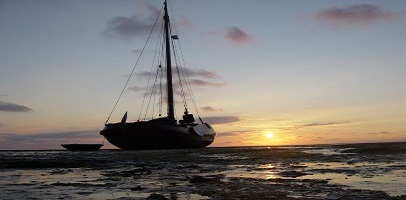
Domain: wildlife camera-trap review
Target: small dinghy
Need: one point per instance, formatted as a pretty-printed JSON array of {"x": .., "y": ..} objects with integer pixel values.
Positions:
[{"x": 82, "y": 147}]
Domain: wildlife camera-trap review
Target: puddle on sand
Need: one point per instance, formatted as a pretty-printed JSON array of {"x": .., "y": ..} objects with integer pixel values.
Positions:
[
  {"x": 143, "y": 195},
  {"x": 378, "y": 176},
  {"x": 385, "y": 177},
  {"x": 86, "y": 184},
  {"x": 393, "y": 183},
  {"x": 48, "y": 177},
  {"x": 327, "y": 151},
  {"x": 266, "y": 171}
]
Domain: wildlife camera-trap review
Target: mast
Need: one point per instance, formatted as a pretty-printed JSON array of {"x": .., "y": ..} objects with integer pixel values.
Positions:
[{"x": 171, "y": 112}]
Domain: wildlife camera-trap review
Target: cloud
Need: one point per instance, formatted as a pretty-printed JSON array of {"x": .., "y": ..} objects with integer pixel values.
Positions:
[
  {"x": 188, "y": 72},
  {"x": 324, "y": 123},
  {"x": 232, "y": 34},
  {"x": 11, "y": 107},
  {"x": 199, "y": 73},
  {"x": 236, "y": 35},
  {"x": 381, "y": 133},
  {"x": 232, "y": 133},
  {"x": 197, "y": 82},
  {"x": 211, "y": 109},
  {"x": 195, "y": 77},
  {"x": 177, "y": 87},
  {"x": 129, "y": 27},
  {"x": 221, "y": 119},
  {"x": 295, "y": 126},
  {"x": 357, "y": 14},
  {"x": 184, "y": 22},
  {"x": 136, "y": 88}
]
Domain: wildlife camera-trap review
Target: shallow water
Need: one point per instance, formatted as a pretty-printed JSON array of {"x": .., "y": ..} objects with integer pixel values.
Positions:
[{"x": 298, "y": 172}]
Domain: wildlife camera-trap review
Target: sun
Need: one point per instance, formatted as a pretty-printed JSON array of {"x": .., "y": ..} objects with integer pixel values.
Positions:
[{"x": 268, "y": 135}]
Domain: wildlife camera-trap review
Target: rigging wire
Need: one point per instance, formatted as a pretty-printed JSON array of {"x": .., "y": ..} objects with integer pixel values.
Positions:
[
  {"x": 176, "y": 60},
  {"x": 152, "y": 94},
  {"x": 159, "y": 43},
  {"x": 154, "y": 91},
  {"x": 185, "y": 74},
  {"x": 180, "y": 78},
  {"x": 135, "y": 65},
  {"x": 160, "y": 90}
]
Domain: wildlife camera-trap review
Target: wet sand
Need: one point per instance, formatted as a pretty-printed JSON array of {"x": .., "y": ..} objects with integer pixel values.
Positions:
[{"x": 355, "y": 171}]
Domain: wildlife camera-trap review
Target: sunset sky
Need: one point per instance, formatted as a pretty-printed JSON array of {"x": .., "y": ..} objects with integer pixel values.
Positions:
[{"x": 264, "y": 72}]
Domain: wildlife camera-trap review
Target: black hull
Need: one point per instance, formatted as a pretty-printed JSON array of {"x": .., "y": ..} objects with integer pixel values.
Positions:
[
  {"x": 153, "y": 135},
  {"x": 82, "y": 147}
]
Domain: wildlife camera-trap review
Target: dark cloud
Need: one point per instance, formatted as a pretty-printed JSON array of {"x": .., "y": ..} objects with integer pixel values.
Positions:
[
  {"x": 354, "y": 14},
  {"x": 177, "y": 89},
  {"x": 299, "y": 126},
  {"x": 324, "y": 123},
  {"x": 129, "y": 27},
  {"x": 211, "y": 109},
  {"x": 11, "y": 107},
  {"x": 232, "y": 133},
  {"x": 237, "y": 35},
  {"x": 221, "y": 119},
  {"x": 381, "y": 133},
  {"x": 136, "y": 88},
  {"x": 199, "y": 73},
  {"x": 195, "y": 77},
  {"x": 197, "y": 82},
  {"x": 190, "y": 73}
]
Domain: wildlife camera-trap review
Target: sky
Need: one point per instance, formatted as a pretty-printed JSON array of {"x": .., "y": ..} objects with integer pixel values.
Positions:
[{"x": 263, "y": 72}]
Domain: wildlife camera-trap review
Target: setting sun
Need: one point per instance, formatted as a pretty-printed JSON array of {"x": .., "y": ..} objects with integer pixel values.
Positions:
[{"x": 268, "y": 135}]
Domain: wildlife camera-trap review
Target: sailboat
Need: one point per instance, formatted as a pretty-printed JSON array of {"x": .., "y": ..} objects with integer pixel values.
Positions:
[{"x": 162, "y": 132}]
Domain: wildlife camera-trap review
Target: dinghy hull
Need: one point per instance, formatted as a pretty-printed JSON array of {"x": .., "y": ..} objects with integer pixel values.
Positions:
[{"x": 82, "y": 147}]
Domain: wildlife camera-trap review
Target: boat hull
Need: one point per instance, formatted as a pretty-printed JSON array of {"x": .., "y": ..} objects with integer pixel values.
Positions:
[
  {"x": 150, "y": 135},
  {"x": 82, "y": 147}
]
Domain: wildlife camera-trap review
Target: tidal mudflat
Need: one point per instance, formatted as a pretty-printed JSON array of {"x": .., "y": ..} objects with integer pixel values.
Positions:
[{"x": 354, "y": 171}]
